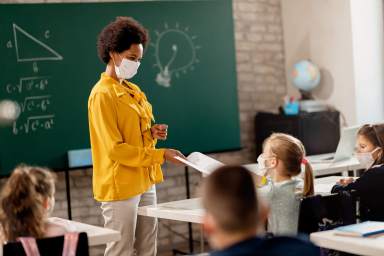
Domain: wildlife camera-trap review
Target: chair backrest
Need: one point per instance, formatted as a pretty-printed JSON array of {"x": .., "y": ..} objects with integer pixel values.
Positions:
[
  {"x": 323, "y": 212},
  {"x": 52, "y": 246}
]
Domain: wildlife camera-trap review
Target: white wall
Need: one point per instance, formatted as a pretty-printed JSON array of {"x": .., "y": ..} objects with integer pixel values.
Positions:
[
  {"x": 296, "y": 33},
  {"x": 367, "y": 33},
  {"x": 345, "y": 38}
]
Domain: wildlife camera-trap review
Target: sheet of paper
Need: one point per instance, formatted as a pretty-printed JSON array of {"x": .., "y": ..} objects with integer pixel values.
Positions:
[
  {"x": 191, "y": 164},
  {"x": 324, "y": 188},
  {"x": 201, "y": 162}
]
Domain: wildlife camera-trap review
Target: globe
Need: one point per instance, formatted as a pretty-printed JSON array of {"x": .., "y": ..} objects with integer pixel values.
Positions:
[{"x": 305, "y": 75}]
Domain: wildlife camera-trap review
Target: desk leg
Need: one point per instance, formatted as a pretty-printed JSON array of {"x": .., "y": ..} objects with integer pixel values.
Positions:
[
  {"x": 190, "y": 234},
  {"x": 68, "y": 191},
  {"x": 201, "y": 239}
]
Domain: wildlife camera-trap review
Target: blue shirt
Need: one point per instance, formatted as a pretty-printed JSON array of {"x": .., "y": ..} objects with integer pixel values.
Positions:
[{"x": 276, "y": 246}]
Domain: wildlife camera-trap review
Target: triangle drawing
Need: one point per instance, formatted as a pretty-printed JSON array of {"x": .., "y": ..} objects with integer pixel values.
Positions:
[{"x": 28, "y": 48}]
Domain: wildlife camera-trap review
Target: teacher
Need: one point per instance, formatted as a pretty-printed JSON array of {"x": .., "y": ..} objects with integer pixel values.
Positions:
[{"x": 126, "y": 164}]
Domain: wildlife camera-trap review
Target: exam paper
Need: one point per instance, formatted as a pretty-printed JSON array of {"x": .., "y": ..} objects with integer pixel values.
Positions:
[{"x": 201, "y": 162}]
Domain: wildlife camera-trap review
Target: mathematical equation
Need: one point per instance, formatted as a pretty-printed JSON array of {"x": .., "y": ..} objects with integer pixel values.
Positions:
[
  {"x": 27, "y": 84},
  {"x": 34, "y": 104},
  {"x": 29, "y": 107},
  {"x": 31, "y": 91},
  {"x": 34, "y": 123}
]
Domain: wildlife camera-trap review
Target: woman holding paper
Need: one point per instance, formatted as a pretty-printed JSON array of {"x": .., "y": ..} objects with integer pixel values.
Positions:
[{"x": 126, "y": 164}]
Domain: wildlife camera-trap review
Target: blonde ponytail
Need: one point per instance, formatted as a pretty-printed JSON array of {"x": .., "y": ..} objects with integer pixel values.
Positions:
[
  {"x": 291, "y": 152},
  {"x": 309, "y": 189}
]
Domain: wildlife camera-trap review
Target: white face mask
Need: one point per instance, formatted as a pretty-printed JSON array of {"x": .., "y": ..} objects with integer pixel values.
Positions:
[
  {"x": 366, "y": 159},
  {"x": 261, "y": 167},
  {"x": 127, "y": 69}
]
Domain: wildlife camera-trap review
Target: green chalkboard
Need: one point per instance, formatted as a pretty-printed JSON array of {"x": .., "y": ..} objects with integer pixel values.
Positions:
[{"x": 49, "y": 64}]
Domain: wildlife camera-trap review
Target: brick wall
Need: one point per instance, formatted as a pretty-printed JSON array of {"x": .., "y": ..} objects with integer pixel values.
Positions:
[{"x": 261, "y": 86}]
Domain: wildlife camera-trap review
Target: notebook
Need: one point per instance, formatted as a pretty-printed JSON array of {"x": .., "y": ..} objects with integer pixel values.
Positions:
[{"x": 364, "y": 229}]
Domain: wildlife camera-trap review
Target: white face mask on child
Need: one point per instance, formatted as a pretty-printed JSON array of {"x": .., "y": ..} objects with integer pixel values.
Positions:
[
  {"x": 366, "y": 158},
  {"x": 262, "y": 168}
]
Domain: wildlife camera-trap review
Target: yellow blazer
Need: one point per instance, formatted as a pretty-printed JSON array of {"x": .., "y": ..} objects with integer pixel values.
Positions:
[{"x": 125, "y": 160}]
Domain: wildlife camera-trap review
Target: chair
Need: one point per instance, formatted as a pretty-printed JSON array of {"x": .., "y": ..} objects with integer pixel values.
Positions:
[
  {"x": 52, "y": 246},
  {"x": 324, "y": 212}
]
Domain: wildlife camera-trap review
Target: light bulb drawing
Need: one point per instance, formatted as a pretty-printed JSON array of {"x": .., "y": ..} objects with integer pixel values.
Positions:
[{"x": 175, "y": 53}]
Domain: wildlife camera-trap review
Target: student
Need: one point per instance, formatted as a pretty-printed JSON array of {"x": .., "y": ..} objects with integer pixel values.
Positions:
[
  {"x": 370, "y": 186},
  {"x": 233, "y": 216},
  {"x": 282, "y": 158},
  {"x": 27, "y": 199}
]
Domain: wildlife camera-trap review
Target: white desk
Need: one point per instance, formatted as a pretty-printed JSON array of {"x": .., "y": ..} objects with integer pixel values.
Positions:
[
  {"x": 324, "y": 185},
  {"x": 96, "y": 235},
  {"x": 343, "y": 167},
  {"x": 188, "y": 210},
  {"x": 362, "y": 246},
  {"x": 319, "y": 169},
  {"x": 191, "y": 210}
]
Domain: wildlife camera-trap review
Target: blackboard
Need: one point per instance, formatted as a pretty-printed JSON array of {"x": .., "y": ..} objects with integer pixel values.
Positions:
[{"x": 49, "y": 65}]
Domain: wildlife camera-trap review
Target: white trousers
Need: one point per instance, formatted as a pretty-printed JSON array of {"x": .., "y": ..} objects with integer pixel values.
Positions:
[{"x": 138, "y": 233}]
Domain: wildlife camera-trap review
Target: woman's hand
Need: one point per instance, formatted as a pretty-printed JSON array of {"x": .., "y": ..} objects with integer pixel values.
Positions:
[
  {"x": 159, "y": 131},
  {"x": 170, "y": 154}
]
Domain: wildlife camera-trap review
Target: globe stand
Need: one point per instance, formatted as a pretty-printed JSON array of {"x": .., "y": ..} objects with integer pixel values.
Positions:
[
  {"x": 312, "y": 106},
  {"x": 309, "y": 104},
  {"x": 305, "y": 95}
]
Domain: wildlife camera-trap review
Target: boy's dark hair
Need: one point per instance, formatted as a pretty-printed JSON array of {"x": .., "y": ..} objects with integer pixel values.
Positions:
[
  {"x": 119, "y": 35},
  {"x": 229, "y": 195}
]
